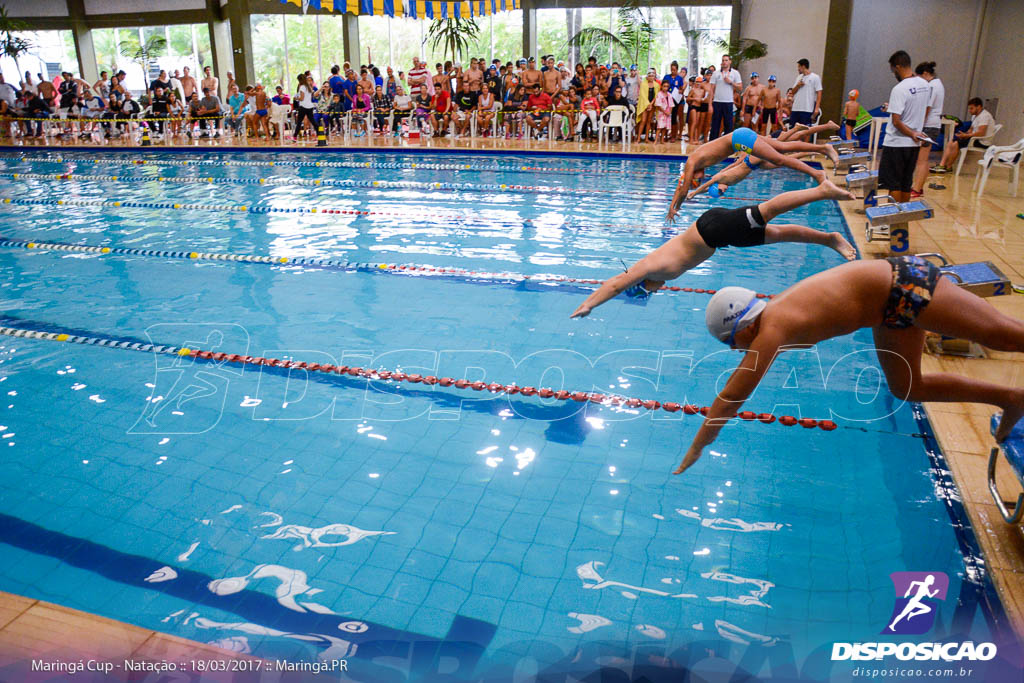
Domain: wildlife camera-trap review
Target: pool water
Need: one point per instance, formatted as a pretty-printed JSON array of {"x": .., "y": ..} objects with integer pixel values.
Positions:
[{"x": 404, "y": 526}]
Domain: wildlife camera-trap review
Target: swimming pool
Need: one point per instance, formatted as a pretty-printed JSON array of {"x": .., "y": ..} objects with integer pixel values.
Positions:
[{"x": 407, "y": 526}]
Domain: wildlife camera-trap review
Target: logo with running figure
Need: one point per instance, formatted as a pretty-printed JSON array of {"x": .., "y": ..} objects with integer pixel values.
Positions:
[{"x": 917, "y": 597}]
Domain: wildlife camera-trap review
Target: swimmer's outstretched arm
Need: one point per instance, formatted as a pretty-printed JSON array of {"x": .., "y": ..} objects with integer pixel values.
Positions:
[
  {"x": 655, "y": 268},
  {"x": 680, "y": 194},
  {"x": 738, "y": 389}
]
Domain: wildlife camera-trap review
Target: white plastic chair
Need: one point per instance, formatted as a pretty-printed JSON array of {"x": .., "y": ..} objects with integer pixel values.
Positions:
[
  {"x": 972, "y": 146},
  {"x": 615, "y": 116},
  {"x": 1008, "y": 156},
  {"x": 279, "y": 117}
]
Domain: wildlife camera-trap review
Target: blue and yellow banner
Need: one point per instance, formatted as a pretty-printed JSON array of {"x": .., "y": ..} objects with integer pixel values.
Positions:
[{"x": 414, "y": 9}]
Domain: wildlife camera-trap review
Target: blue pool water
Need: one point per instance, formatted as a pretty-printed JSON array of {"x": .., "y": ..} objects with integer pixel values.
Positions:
[{"x": 303, "y": 516}]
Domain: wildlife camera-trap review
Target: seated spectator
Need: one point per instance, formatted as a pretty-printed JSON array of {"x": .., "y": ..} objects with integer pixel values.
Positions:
[
  {"x": 422, "y": 113},
  {"x": 382, "y": 108},
  {"x": 281, "y": 97},
  {"x": 982, "y": 124},
  {"x": 158, "y": 109},
  {"x": 403, "y": 106},
  {"x": 539, "y": 104},
  {"x": 465, "y": 101},
  {"x": 209, "y": 113},
  {"x": 591, "y": 106},
  {"x": 335, "y": 114},
  {"x": 237, "y": 109},
  {"x": 175, "y": 110},
  {"x": 485, "y": 108},
  {"x": 362, "y": 106},
  {"x": 441, "y": 112}
]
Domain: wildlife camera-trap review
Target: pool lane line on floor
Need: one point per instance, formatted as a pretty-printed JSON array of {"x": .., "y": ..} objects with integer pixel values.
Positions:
[
  {"x": 342, "y": 164},
  {"x": 351, "y": 184},
  {"x": 613, "y": 400},
  {"x": 330, "y": 264}
]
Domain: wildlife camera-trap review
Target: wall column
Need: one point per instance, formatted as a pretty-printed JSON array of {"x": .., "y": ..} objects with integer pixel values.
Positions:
[
  {"x": 84, "y": 48},
  {"x": 529, "y": 30},
  {"x": 833, "y": 70},
  {"x": 350, "y": 35},
  {"x": 241, "y": 43},
  {"x": 220, "y": 44}
]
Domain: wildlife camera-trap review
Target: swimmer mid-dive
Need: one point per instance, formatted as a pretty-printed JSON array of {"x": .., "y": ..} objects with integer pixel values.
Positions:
[
  {"x": 716, "y": 228},
  {"x": 746, "y": 140},
  {"x": 899, "y": 298},
  {"x": 747, "y": 163}
]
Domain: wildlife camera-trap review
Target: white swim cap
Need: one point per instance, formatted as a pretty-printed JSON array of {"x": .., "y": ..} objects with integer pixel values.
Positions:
[{"x": 730, "y": 310}]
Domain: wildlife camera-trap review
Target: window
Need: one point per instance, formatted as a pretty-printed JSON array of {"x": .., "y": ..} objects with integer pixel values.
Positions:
[
  {"x": 188, "y": 45},
  {"x": 49, "y": 53}
]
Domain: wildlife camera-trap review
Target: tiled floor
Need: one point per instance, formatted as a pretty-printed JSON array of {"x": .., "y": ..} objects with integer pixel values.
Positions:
[
  {"x": 37, "y": 630},
  {"x": 963, "y": 229}
]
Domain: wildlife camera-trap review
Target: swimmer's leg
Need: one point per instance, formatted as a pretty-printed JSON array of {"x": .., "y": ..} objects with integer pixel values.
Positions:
[
  {"x": 805, "y": 235},
  {"x": 774, "y": 151},
  {"x": 787, "y": 201},
  {"x": 958, "y": 313},
  {"x": 801, "y": 133}
]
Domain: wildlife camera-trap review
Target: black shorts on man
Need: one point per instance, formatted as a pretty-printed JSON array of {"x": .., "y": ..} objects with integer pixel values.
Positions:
[{"x": 896, "y": 169}]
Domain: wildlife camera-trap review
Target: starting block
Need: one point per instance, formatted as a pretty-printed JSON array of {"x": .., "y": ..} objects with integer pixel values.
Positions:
[
  {"x": 890, "y": 220},
  {"x": 846, "y": 161},
  {"x": 840, "y": 143},
  {"x": 863, "y": 182},
  {"x": 981, "y": 278},
  {"x": 1013, "y": 449}
]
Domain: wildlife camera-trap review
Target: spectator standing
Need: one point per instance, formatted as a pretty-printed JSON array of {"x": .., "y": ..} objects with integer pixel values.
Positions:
[
  {"x": 806, "y": 95},
  {"x": 724, "y": 86},
  {"x": 908, "y": 104},
  {"x": 932, "y": 123}
]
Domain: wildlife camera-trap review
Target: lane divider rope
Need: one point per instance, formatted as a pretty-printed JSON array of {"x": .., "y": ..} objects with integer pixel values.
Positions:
[
  {"x": 414, "y": 378},
  {"x": 383, "y": 184},
  {"x": 106, "y": 203},
  {"x": 392, "y": 268},
  {"x": 341, "y": 164}
]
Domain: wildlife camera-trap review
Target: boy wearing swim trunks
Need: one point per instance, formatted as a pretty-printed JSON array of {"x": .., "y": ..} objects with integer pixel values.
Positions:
[
  {"x": 751, "y": 98},
  {"x": 717, "y": 228},
  {"x": 898, "y": 298},
  {"x": 769, "y": 108}
]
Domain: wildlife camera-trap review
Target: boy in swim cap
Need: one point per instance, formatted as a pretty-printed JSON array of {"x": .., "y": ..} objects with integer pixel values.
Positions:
[
  {"x": 746, "y": 140},
  {"x": 899, "y": 298},
  {"x": 746, "y": 226},
  {"x": 851, "y": 110}
]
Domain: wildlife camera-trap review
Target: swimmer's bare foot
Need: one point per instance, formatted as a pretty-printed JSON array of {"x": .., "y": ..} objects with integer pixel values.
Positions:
[
  {"x": 800, "y": 126},
  {"x": 833, "y": 125},
  {"x": 1011, "y": 414},
  {"x": 840, "y": 244},
  {"x": 833, "y": 191},
  {"x": 832, "y": 154}
]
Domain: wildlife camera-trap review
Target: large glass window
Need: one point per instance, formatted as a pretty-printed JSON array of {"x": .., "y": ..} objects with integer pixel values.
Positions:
[
  {"x": 668, "y": 42},
  {"x": 49, "y": 53},
  {"x": 188, "y": 45}
]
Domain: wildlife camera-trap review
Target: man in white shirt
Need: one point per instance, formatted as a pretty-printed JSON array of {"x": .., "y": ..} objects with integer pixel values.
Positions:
[
  {"x": 725, "y": 83},
  {"x": 806, "y": 95},
  {"x": 982, "y": 124},
  {"x": 908, "y": 104}
]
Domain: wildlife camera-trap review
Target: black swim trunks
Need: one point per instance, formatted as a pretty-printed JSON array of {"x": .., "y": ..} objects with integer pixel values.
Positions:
[
  {"x": 852, "y": 123},
  {"x": 742, "y": 227},
  {"x": 770, "y": 115},
  {"x": 748, "y": 109},
  {"x": 913, "y": 283}
]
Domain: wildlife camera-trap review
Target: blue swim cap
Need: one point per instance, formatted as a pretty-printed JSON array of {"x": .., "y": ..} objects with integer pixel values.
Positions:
[
  {"x": 754, "y": 75},
  {"x": 714, "y": 191},
  {"x": 638, "y": 291}
]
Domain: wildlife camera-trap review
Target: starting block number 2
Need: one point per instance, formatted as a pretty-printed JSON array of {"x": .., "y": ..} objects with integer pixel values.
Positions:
[{"x": 899, "y": 238}]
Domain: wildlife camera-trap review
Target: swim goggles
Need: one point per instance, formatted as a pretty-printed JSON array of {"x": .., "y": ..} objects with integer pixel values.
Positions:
[{"x": 732, "y": 335}]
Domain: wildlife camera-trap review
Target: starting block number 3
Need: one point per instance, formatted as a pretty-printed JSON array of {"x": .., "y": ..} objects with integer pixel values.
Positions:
[{"x": 899, "y": 238}]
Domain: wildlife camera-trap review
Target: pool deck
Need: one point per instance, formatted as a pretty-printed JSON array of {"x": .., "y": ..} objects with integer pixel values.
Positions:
[
  {"x": 964, "y": 229},
  {"x": 37, "y": 630}
]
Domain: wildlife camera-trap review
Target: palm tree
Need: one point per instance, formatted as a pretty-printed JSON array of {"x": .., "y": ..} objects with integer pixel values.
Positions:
[
  {"x": 454, "y": 34},
  {"x": 633, "y": 35},
  {"x": 11, "y": 45},
  {"x": 741, "y": 50},
  {"x": 143, "y": 54}
]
